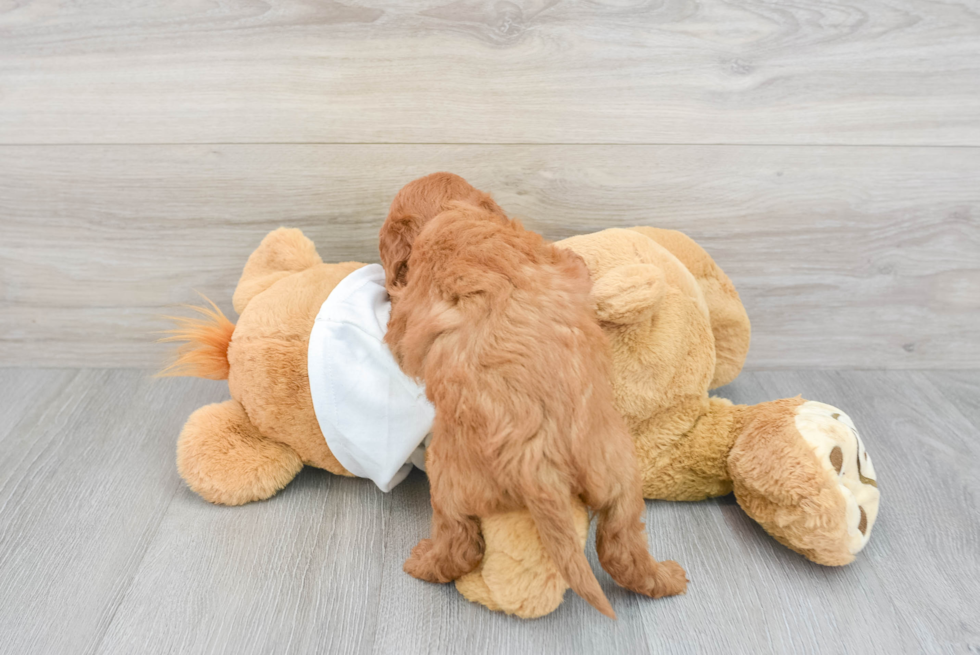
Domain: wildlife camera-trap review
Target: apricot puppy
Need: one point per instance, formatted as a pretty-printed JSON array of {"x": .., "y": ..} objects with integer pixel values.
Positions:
[{"x": 497, "y": 323}]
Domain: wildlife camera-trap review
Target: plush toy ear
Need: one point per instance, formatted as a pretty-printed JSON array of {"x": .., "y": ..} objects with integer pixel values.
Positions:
[
  {"x": 395, "y": 245},
  {"x": 628, "y": 294}
]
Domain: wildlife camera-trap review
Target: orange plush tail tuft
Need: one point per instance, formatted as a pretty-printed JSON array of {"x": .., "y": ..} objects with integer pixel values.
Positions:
[{"x": 204, "y": 349}]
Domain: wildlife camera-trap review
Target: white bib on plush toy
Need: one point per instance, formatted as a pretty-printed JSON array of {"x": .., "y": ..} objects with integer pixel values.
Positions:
[{"x": 374, "y": 417}]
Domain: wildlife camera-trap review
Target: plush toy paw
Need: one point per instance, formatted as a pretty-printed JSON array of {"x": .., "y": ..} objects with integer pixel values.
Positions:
[
  {"x": 225, "y": 459},
  {"x": 839, "y": 449},
  {"x": 800, "y": 469},
  {"x": 516, "y": 575}
]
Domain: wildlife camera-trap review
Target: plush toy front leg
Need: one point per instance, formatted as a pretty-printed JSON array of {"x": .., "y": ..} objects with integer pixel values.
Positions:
[
  {"x": 225, "y": 459},
  {"x": 800, "y": 469},
  {"x": 516, "y": 575}
]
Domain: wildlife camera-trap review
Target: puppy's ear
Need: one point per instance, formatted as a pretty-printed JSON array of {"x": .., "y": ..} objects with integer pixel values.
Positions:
[
  {"x": 629, "y": 294},
  {"x": 487, "y": 203},
  {"x": 395, "y": 244}
]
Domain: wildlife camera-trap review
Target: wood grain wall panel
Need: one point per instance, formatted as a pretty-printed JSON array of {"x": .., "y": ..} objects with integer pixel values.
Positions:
[
  {"x": 845, "y": 257},
  {"x": 478, "y": 71}
]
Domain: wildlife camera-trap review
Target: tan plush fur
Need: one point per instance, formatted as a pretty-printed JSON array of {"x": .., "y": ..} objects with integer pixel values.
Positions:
[
  {"x": 252, "y": 446},
  {"x": 669, "y": 314},
  {"x": 268, "y": 355},
  {"x": 668, "y": 322},
  {"x": 234, "y": 464},
  {"x": 729, "y": 322},
  {"x": 521, "y": 578},
  {"x": 780, "y": 484},
  {"x": 497, "y": 323}
]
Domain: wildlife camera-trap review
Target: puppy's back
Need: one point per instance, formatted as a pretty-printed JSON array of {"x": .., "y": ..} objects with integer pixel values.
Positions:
[
  {"x": 521, "y": 383},
  {"x": 468, "y": 251},
  {"x": 524, "y": 342}
]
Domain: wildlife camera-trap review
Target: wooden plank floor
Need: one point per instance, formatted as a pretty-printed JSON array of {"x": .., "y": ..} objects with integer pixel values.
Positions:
[{"x": 103, "y": 550}]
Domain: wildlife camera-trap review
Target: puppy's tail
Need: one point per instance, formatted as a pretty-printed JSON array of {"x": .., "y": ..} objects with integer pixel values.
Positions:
[
  {"x": 204, "y": 344},
  {"x": 554, "y": 519}
]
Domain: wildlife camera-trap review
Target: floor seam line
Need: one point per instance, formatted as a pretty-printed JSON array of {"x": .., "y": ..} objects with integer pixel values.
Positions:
[{"x": 97, "y": 648}]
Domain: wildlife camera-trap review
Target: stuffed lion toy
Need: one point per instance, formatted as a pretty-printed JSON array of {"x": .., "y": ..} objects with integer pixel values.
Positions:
[{"x": 676, "y": 327}]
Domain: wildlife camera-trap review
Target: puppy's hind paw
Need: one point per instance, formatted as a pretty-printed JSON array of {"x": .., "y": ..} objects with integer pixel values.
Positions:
[
  {"x": 671, "y": 580},
  {"x": 423, "y": 564}
]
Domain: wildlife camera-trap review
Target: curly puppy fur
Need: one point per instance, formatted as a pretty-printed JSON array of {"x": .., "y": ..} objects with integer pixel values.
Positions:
[{"x": 497, "y": 323}]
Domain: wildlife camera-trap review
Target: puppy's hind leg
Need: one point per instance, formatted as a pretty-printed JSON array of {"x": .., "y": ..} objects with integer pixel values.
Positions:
[
  {"x": 454, "y": 549},
  {"x": 621, "y": 543},
  {"x": 455, "y": 546},
  {"x": 621, "y": 539}
]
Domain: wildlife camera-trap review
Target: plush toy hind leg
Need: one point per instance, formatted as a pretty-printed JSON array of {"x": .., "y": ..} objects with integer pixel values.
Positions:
[
  {"x": 516, "y": 575},
  {"x": 729, "y": 322},
  {"x": 800, "y": 469},
  {"x": 282, "y": 252},
  {"x": 224, "y": 459}
]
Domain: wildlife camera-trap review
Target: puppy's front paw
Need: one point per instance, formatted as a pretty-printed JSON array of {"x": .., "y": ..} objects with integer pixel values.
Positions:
[
  {"x": 671, "y": 580},
  {"x": 421, "y": 564}
]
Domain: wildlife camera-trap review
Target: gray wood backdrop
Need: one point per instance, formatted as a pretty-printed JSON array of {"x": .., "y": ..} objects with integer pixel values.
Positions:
[{"x": 827, "y": 155}]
